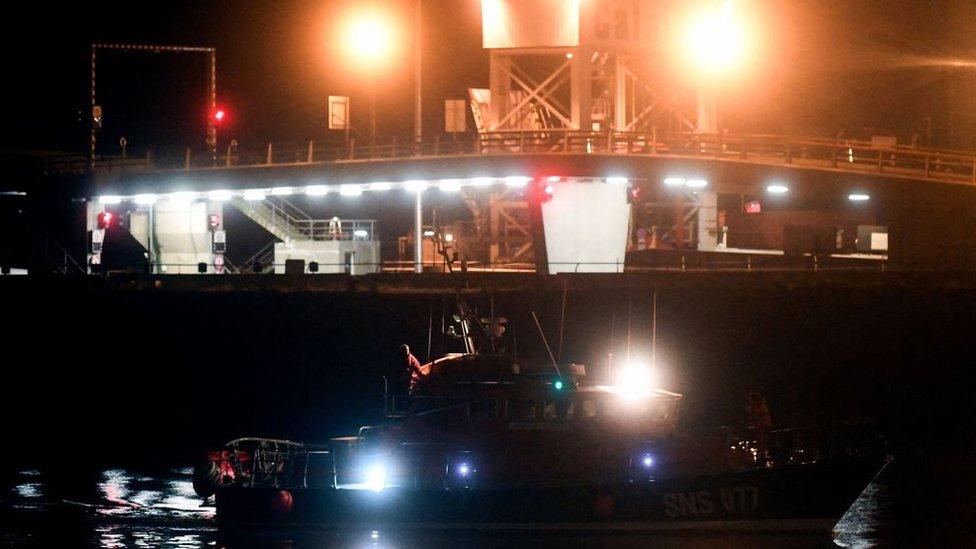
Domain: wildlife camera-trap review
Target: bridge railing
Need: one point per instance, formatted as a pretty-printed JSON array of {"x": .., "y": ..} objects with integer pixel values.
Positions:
[
  {"x": 263, "y": 262},
  {"x": 847, "y": 155}
]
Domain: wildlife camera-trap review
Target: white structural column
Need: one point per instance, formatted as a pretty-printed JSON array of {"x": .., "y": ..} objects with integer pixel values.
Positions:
[
  {"x": 707, "y": 220},
  {"x": 621, "y": 106},
  {"x": 501, "y": 88},
  {"x": 707, "y": 109},
  {"x": 581, "y": 85},
  {"x": 418, "y": 231},
  {"x": 581, "y": 238},
  {"x": 176, "y": 236},
  {"x": 418, "y": 120}
]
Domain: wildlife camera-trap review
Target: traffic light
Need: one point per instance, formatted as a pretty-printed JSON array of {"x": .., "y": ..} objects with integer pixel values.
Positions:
[
  {"x": 218, "y": 116},
  {"x": 105, "y": 219}
]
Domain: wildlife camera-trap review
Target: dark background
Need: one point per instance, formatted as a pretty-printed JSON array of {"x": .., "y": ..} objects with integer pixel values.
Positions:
[
  {"x": 862, "y": 67},
  {"x": 137, "y": 377}
]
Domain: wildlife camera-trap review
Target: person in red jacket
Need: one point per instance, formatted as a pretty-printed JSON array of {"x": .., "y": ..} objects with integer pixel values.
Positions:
[{"x": 411, "y": 368}]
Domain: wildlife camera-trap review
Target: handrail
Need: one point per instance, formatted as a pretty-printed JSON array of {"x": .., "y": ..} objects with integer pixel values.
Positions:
[
  {"x": 261, "y": 255},
  {"x": 306, "y": 227},
  {"x": 67, "y": 263},
  {"x": 838, "y": 153}
]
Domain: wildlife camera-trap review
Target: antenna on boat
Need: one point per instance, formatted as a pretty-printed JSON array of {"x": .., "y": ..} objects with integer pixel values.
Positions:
[
  {"x": 546, "y": 342},
  {"x": 613, "y": 340},
  {"x": 630, "y": 303},
  {"x": 430, "y": 329}
]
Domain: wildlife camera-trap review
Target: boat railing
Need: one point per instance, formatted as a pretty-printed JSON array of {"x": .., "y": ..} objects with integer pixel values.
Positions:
[{"x": 807, "y": 444}]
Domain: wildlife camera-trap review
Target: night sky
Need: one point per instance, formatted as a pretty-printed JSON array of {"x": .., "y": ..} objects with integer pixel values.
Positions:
[{"x": 862, "y": 67}]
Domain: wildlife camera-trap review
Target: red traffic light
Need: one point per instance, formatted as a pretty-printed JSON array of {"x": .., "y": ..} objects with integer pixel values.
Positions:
[
  {"x": 219, "y": 116},
  {"x": 105, "y": 219}
]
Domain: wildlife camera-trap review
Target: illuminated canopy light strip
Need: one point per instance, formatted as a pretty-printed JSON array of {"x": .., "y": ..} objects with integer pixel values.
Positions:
[
  {"x": 617, "y": 180},
  {"x": 696, "y": 183},
  {"x": 145, "y": 199},
  {"x": 674, "y": 181},
  {"x": 350, "y": 190},
  {"x": 219, "y": 195},
  {"x": 415, "y": 185},
  {"x": 182, "y": 198},
  {"x": 777, "y": 188},
  {"x": 450, "y": 185},
  {"x": 858, "y": 197}
]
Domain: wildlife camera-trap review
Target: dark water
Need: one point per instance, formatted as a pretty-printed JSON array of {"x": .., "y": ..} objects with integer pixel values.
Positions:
[
  {"x": 150, "y": 378},
  {"x": 128, "y": 508}
]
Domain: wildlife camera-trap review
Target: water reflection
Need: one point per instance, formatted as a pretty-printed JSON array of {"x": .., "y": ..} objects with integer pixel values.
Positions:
[{"x": 122, "y": 508}]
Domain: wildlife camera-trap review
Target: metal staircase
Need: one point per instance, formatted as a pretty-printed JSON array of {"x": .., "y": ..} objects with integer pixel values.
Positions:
[
  {"x": 289, "y": 223},
  {"x": 279, "y": 217}
]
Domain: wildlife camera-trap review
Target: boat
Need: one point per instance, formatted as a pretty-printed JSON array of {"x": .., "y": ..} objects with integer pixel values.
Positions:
[{"x": 485, "y": 441}]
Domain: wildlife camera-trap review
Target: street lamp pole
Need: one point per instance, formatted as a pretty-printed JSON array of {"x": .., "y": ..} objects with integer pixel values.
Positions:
[
  {"x": 418, "y": 237},
  {"x": 418, "y": 125},
  {"x": 372, "y": 113},
  {"x": 418, "y": 138}
]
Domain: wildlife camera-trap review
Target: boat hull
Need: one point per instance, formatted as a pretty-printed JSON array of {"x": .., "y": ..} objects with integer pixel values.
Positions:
[{"x": 799, "y": 497}]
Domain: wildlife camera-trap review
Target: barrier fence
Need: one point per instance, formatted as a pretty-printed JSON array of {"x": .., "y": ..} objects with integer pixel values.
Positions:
[{"x": 847, "y": 155}]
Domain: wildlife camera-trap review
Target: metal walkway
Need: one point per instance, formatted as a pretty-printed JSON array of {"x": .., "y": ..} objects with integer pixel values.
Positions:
[{"x": 842, "y": 155}]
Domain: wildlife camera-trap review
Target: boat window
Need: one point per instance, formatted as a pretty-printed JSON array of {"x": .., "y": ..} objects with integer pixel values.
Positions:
[
  {"x": 587, "y": 409},
  {"x": 521, "y": 410},
  {"x": 556, "y": 410},
  {"x": 484, "y": 410}
]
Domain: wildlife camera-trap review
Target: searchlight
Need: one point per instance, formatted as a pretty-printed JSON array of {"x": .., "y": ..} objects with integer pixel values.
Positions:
[
  {"x": 634, "y": 380},
  {"x": 375, "y": 477}
]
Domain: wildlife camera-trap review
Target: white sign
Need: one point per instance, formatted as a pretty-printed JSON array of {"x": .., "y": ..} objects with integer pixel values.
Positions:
[
  {"x": 338, "y": 112},
  {"x": 879, "y": 242},
  {"x": 455, "y": 119}
]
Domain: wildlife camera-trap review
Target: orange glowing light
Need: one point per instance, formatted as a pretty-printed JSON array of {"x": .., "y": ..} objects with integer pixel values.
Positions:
[
  {"x": 716, "y": 40},
  {"x": 370, "y": 38}
]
